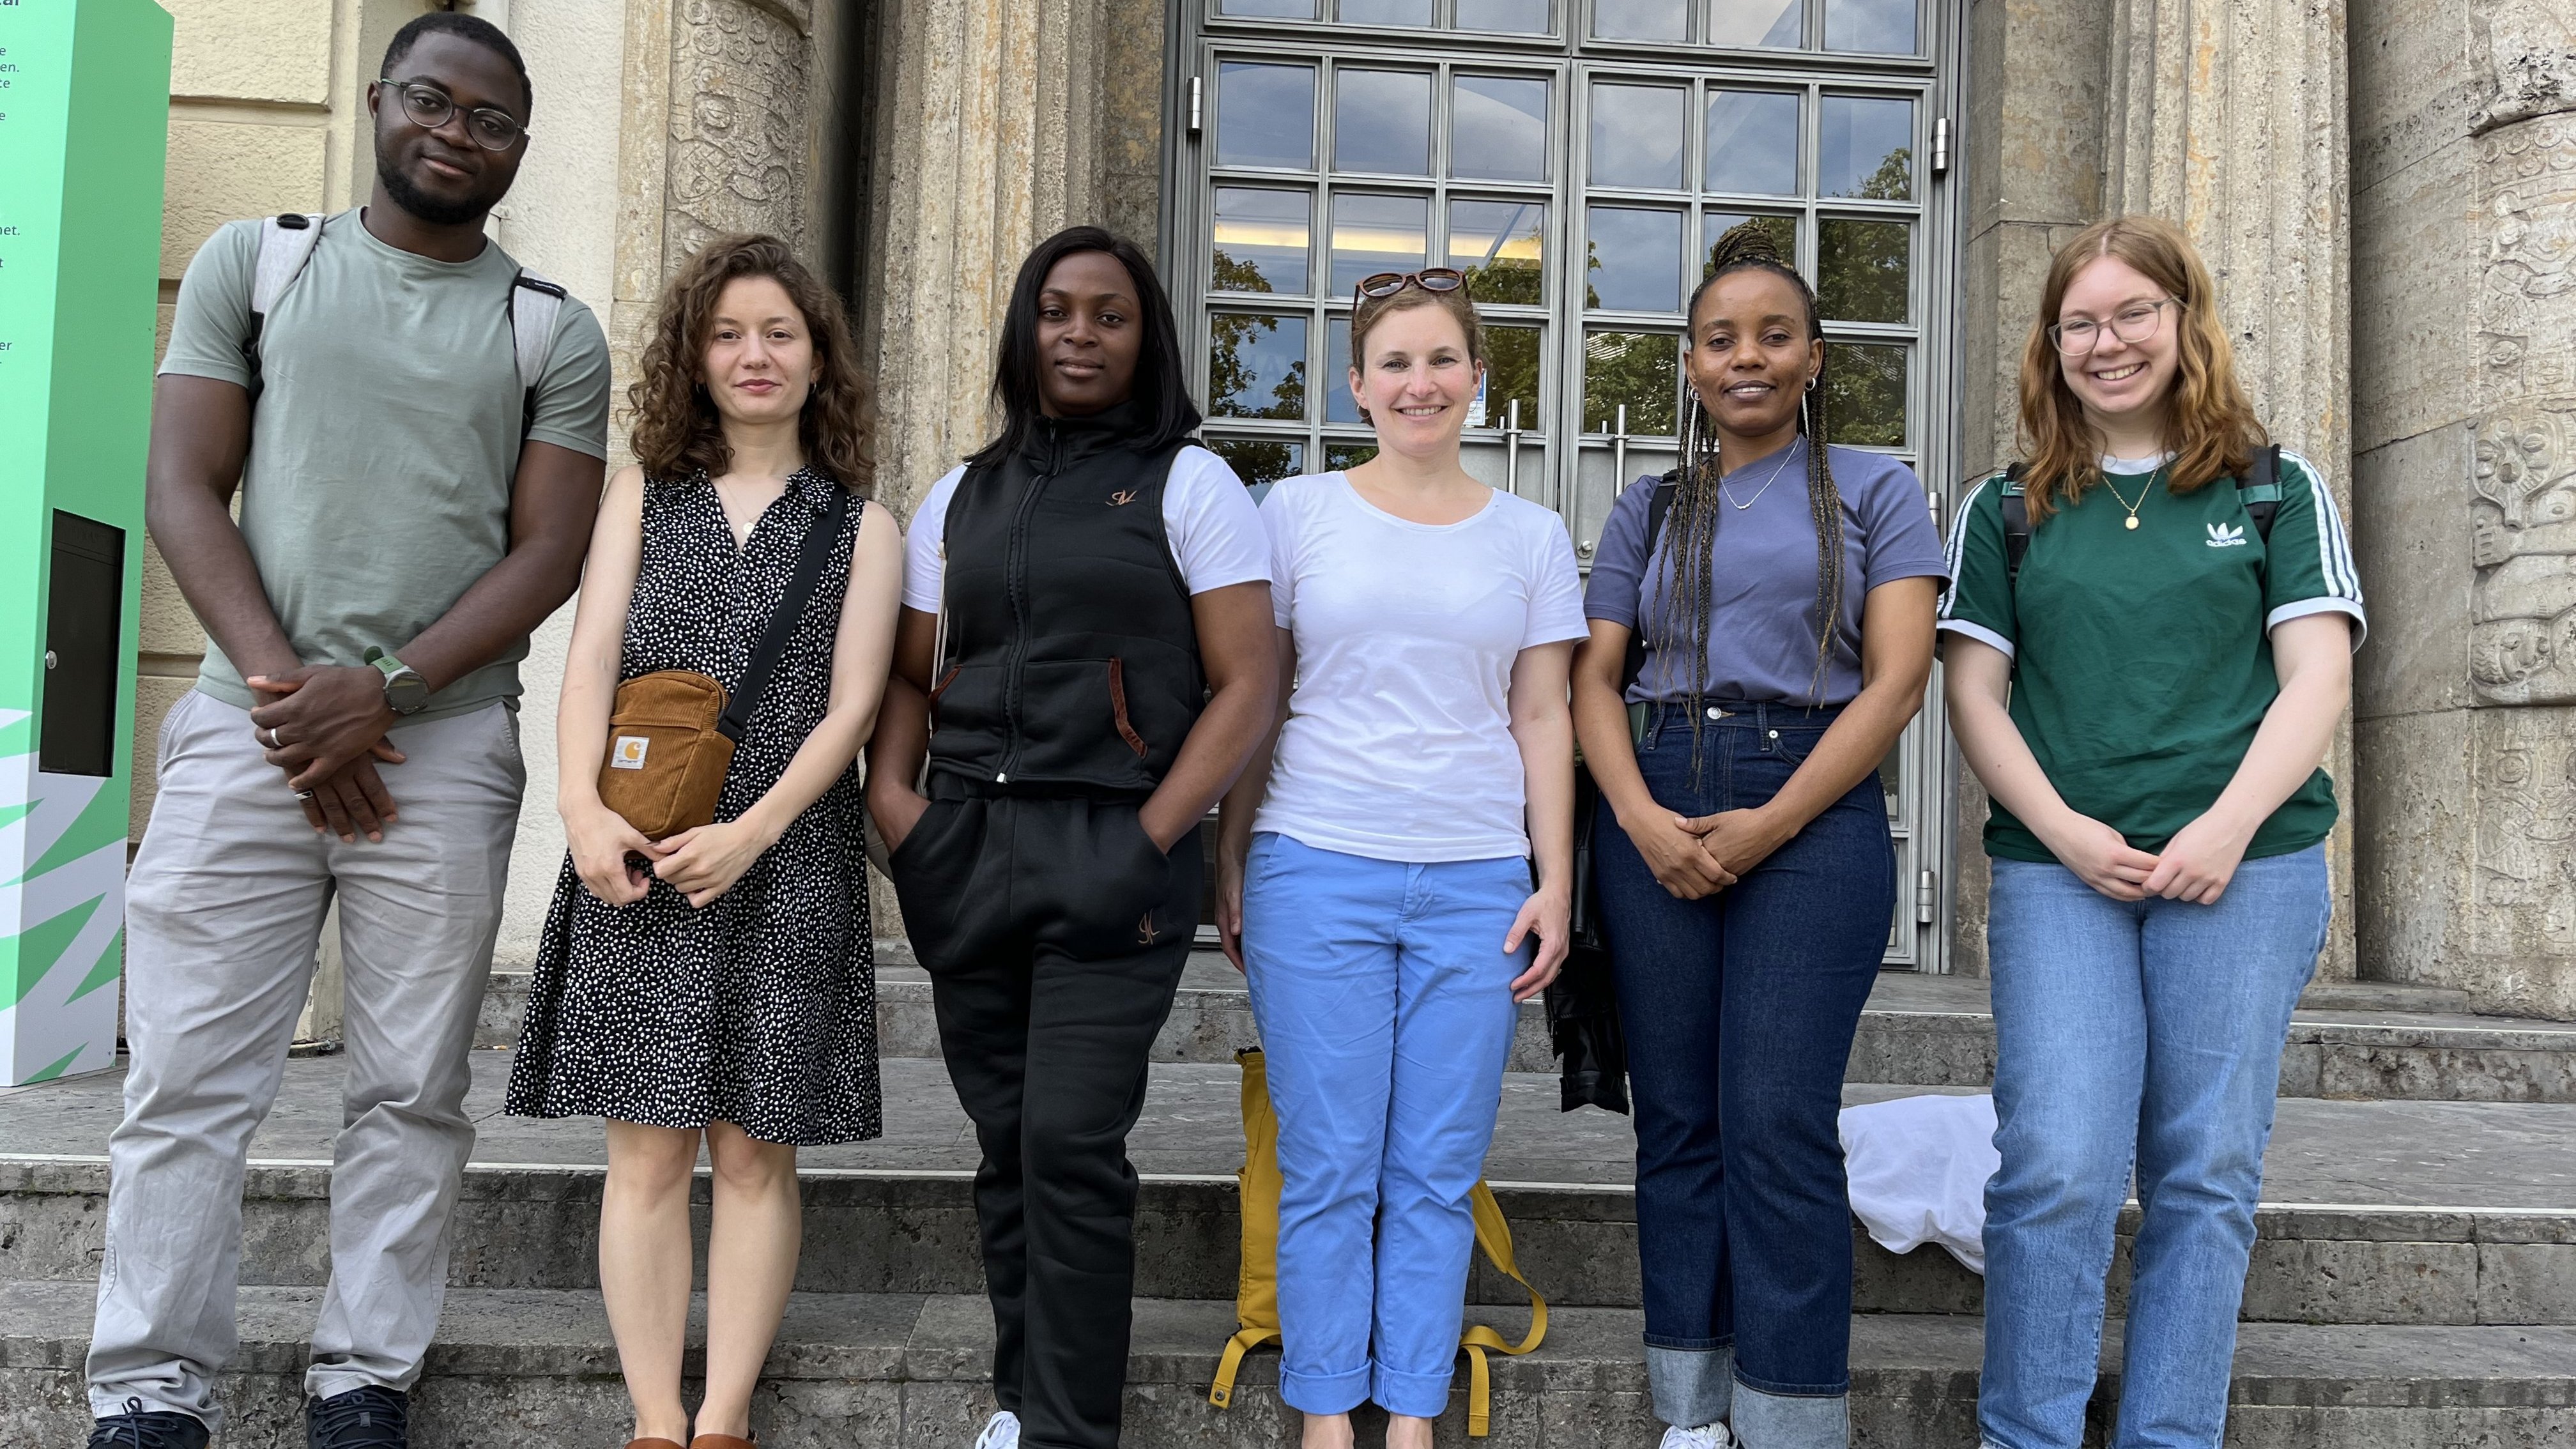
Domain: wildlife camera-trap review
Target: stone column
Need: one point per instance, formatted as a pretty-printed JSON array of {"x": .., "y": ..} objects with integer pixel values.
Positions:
[
  {"x": 2467, "y": 372},
  {"x": 2230, "y": 118}
]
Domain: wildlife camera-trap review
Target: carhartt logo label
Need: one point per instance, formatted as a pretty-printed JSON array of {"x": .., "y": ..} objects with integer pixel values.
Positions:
[
  {"x": 627, "y": 752},
  {"x": 2226, "y": 535},
  {"x": 1122, "y": 497}
]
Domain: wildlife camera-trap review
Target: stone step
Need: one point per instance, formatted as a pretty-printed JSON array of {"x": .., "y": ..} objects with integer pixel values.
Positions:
[
  {"x": 2362, "y": 1041},
  {"x": 887, "y": 1231},
  {"x": 513, "y": 1367}
]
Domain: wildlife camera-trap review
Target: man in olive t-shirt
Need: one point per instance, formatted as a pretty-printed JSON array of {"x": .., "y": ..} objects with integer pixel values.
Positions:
[{"x": 410, "y": 509}]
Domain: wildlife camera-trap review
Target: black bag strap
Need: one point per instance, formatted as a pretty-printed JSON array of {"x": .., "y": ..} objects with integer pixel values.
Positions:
[
  {"x": 2016, "y": 524},
  {"x": 2261, "y": 486},
  {"x": 820, "y": 536},
  {"x": 1658, "y": 504}
]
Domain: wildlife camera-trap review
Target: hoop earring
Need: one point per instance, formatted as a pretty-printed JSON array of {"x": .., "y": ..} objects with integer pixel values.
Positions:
[{"x": 1811, "y": 384}]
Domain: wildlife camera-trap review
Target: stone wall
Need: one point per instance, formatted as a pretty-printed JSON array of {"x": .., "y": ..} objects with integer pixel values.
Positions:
[{"x": 2465, "y": 433}]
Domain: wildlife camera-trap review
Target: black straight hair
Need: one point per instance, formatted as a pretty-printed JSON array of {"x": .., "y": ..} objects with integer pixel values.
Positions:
[
  {"x": 465, "y": 27},
  {"x": 1161, "y": 386}
]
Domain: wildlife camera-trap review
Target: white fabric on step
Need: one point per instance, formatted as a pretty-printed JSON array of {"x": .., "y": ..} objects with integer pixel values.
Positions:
[{"x": 1918, "y": 1168}]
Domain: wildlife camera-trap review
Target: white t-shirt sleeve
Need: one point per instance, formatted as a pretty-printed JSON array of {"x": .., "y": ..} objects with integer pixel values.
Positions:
[
  {"x": 1280, "y": 519},
  {"x": 1215, "y": 528},
  {"x": 923, "y": 563},
  {"x": 1556, "y": 592}
]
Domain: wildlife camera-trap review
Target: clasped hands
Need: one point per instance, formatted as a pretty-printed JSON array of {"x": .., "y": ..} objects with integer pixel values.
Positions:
[
  {"x": 324, "y": 726},
  {"x": 1695, "y": 856}
]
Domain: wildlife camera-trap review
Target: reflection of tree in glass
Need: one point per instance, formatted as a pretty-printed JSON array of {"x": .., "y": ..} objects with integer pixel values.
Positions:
[
  {"x": 1894, "y": 178},
  {"x": 1865, "y": 394},
  {"x": 1640, "y": 369},
  {"x": 1234, "y": 276},
  {"x": 1861, "y": 268},
  {"x": 1504, "y": 279},
  {"x": 1340, "y": 457},
  {"x": 1511, "y": 371},
  {"x": 1783, "y": 230},
  {"x": 1256, "y": 460},
  {"x": 1232, "y": 340}
]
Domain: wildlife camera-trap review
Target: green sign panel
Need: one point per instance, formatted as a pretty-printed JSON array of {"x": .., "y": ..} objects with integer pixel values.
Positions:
[{"x": 84, "y": 121}]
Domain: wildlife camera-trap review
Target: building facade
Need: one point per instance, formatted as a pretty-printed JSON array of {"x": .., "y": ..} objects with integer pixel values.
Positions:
[{"x": 2385, "y": 188}]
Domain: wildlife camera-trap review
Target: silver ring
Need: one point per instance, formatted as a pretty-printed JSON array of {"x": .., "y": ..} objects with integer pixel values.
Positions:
[
  {"x": 303, "y": 794},
  {"x": 274, "y": 742}
]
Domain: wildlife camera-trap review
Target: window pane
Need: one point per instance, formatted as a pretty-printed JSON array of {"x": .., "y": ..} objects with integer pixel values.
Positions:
[
  {"x": 1378, "y": 234},
  {"x": 1639, "y": 19},
  {"x": 1511, "y": 375},
  {"x": 1715, "y": 225},
  {"x": 1342, "y": 457},
  {"x": 1885, "y": 25},
  {"x": 1496, "y": 243},
  {"x": 1864, "y": 394},
  {"x": 1339, "y": 405},
  {"x": 1269, "y": 9},
  {"x": 1529, "y": 15},
  {"x": 1256, "y": 366},
  {"x": 1637, "y": 135},
  {"x": 1383, "y": 12},
  {"x": 1771, "y": 24},
  {"x": 1639, "y": 369},
  {"x": 1382, "y": 121},
  {"x": 1861, "y": 270},
  {"x": 1636, "y": 260},
  {"x": 1261, "y": 239},
  {"x": 1260, "y": 462},
  {"x": 1265, "y": 115},
  {"x": 1498, "y": 127},
  {"x": 1865, "y": 147},
  {"x": 1753, "y": 142}
]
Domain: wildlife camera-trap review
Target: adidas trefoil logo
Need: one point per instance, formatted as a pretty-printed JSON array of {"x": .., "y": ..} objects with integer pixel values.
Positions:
[{"x": 2226, "y": 535}]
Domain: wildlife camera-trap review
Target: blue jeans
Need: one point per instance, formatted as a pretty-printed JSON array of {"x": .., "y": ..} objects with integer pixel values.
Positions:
[
  {"x": 2143, "y": 1033},
  {"x": 1739, "y": 1010},
  {"x": 1384, "y": 1000}
]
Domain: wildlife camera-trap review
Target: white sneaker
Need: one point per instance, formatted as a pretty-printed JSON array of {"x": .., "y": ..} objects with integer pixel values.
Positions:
[
  {"x": 1002, "y": 1431},
  {"x": 1706, "y": 1436}
]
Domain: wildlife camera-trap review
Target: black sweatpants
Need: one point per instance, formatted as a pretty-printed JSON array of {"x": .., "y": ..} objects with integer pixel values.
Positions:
[{"x": 1054, "y": 934}]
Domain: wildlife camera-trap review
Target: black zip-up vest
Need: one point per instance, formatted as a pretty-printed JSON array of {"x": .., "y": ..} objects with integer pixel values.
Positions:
[{"x": 1073, "y": 662}]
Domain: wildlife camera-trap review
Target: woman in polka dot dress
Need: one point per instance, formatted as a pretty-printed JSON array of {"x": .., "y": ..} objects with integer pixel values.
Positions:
[{"x": 719, "y": 985}]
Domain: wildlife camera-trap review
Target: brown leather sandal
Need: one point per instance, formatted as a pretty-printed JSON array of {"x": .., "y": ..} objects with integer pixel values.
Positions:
[
  {"x": 653, "y": 1444},
  {"x": 719, "y": 1441}
]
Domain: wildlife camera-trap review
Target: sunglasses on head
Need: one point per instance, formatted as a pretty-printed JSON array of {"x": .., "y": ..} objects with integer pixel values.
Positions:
[{"x": 1429, "y": 279}]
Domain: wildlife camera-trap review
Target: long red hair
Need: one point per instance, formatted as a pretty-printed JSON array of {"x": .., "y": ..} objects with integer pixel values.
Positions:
[{"x": 2210, "y": 426}]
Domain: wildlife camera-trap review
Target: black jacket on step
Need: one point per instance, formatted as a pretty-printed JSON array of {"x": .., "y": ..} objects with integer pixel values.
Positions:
[{"x": 1073, "y": 661}]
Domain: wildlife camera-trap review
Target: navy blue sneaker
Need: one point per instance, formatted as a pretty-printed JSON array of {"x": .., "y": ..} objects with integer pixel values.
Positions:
[
  {"x": 368, "y": 1418},
  {"x": 137, "y": 1428}
]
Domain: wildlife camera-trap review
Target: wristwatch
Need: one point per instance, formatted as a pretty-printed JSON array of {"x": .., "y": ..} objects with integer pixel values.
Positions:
[{"x": 405, "y": 691}]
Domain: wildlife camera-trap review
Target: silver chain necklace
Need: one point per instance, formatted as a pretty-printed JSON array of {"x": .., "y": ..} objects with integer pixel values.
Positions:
[{"x": 1776, "y": 470}]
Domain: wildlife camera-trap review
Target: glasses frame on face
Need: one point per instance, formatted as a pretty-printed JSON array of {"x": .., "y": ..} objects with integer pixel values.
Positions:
[
  {"x": 418, "y": 97},
  {"x": 1430, "y": 279},
  {"x": 2093, "y": 329}
]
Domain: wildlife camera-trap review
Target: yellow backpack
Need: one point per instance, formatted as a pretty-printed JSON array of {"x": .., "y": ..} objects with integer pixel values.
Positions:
[{"x": 1256, "y": 1297}]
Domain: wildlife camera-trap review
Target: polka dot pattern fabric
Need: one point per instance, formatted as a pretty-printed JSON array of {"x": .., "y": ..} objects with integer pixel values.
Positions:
[{"x": 759, "y": 1010}]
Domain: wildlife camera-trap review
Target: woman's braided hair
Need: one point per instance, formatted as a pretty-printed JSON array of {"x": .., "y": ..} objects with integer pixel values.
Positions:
[{"x": 1691, "y": 527}]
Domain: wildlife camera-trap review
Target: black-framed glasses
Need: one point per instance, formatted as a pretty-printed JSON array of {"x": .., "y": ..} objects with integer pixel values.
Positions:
[
  {"x": 2133, "y": 324},
  {"x": 428, "y": 107},
  {"x": 1429, "y": 279}
]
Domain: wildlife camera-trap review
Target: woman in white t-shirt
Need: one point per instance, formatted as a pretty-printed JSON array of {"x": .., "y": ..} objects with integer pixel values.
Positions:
[{"x": 1374, "y": 865}]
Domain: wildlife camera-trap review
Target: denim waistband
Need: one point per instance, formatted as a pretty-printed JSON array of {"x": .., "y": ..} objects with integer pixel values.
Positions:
[{"x": 1743, "y": 713}]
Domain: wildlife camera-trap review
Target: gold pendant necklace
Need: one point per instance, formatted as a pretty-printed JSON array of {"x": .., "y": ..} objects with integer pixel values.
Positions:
[{"x": 2132, "y": 520}]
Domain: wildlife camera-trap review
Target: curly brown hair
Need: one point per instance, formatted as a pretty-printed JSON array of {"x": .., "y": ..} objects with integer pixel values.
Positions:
[{"x": 677, "y": 432}]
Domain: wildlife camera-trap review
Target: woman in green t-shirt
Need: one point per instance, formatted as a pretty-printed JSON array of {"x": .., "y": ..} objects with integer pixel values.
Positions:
[{"x": 2148, "y": 642}]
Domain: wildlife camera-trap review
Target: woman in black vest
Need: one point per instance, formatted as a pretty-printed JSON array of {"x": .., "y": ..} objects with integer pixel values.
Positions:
[{"x": 1106, "y": 668}]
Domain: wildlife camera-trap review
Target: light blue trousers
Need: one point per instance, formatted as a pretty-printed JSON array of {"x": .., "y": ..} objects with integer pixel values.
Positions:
[{"x": 1383, "y": 996}]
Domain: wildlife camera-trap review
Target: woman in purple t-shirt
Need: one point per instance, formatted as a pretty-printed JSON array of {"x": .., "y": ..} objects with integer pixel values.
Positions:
[{"x": 1743, "y": 861}]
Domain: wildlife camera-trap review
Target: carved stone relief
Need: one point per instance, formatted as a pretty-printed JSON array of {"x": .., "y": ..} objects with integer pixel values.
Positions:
[
  {"x": 2525, "y": 884},
  {"x": 739, "y": 126},
  {"x": 2525, "y": 53}
]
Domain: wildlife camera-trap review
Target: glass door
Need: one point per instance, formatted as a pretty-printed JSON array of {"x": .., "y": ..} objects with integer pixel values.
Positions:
[{"x": 1578, "y": 163}]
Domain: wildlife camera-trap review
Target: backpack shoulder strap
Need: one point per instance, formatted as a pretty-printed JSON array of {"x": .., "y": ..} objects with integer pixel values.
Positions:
[
  {"x": 1659, "y": 505},
  {"x": 286, "y": 243},
  {"x": 2261, "y": 489},
  {"x": 2016, "y": 522},
  {"x": 1494, "y": 1235},
  {"x": 535, "y": 304}
]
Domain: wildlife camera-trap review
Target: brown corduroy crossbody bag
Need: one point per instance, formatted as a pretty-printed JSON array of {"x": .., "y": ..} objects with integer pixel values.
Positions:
[{"x": 671, "y": 733}]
